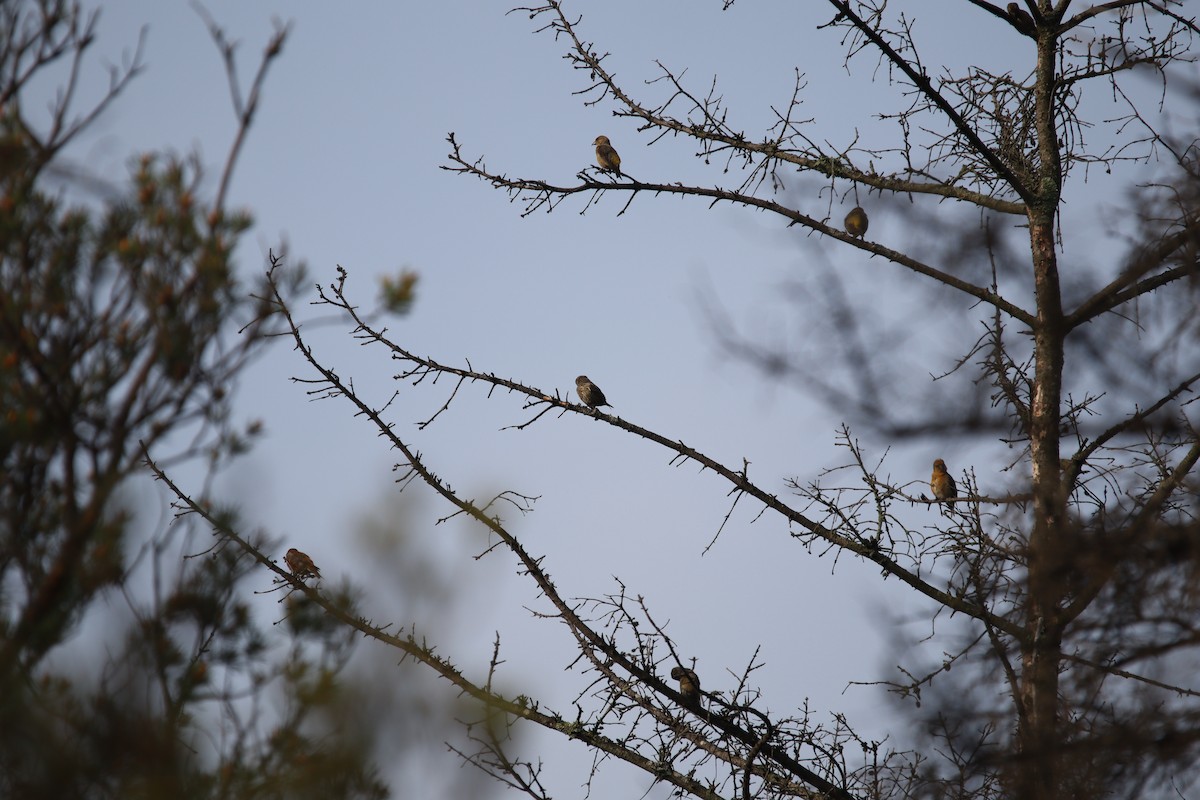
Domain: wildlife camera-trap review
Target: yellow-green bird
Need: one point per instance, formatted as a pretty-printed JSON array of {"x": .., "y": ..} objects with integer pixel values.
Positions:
[
  {"x": 606, "y": 156},
  {"x": 856, "y": 222}
]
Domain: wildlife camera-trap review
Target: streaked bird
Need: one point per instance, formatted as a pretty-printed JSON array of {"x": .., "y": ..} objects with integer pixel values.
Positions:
[
  {"x": 300, "y": 564},
  {"x": 606, "y": 156},
  {"x": 942, "y": 483},
  {"x": 590, "y": 393},
  {"x": 856, "y": 222},
  {"x": 689, "y": 684}
]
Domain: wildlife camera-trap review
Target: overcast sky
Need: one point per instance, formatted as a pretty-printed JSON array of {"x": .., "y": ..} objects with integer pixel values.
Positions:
[{"x": 343, "y": 163}]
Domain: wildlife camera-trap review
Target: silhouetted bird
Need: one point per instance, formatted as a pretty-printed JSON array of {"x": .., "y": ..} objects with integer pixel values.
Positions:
[
  {"x": 606, "y": 156},
  {"x": 300, "y": 564},
  {"x": 856, "y": 222},
  {"x": 689, "y": 684},
  {"x": 941, "y": 483},
  {"x": 1021, "y": 20},
  {"x": 590, "y": 393}
]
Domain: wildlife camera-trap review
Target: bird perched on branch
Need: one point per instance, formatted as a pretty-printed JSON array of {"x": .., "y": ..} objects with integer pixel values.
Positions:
[
  {"x": 856, "y": 222},
  {"x": 606, "y": 156},
  {"x": 300, "y": 564},
  {"x": 689, "y": 684},
  {"x": 590, "y": 393},
  {"x": 942, "y": 483},
  {"x": 1021, "y": 20}
]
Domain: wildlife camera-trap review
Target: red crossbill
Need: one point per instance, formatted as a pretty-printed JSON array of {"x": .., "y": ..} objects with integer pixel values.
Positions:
[
  {"x": 689, "y": 684},
  {"x": 606, "y": 156},
  {"x": 941, "y": 483},
  {"x": 1021, "y": 20},
  {"x": 590, "y": 393},
  {"x": 856, "y": 222},
  {"x": 300, "y": 564}
]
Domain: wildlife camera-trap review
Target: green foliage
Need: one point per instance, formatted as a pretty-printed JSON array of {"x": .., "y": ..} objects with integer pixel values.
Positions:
[
  {"x": 396, "y": 294},
  {"x": 123, "y": 328}
]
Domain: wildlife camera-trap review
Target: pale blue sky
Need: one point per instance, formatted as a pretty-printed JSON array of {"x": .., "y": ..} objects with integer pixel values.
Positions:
[{"x": 343, "y": 161}]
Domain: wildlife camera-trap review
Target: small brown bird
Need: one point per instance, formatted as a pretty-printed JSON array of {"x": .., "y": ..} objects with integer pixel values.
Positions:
[
  {"x": 689, "y": 684},
  {"x": 606, "y": 156},
  {"x": 590, "y": 393},
  {"x": 856, "y": 222},
  {"x": 1021, "y": 20},
  {"x": 300, "y": 564},
  {"x": 941, "y": 483}
]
